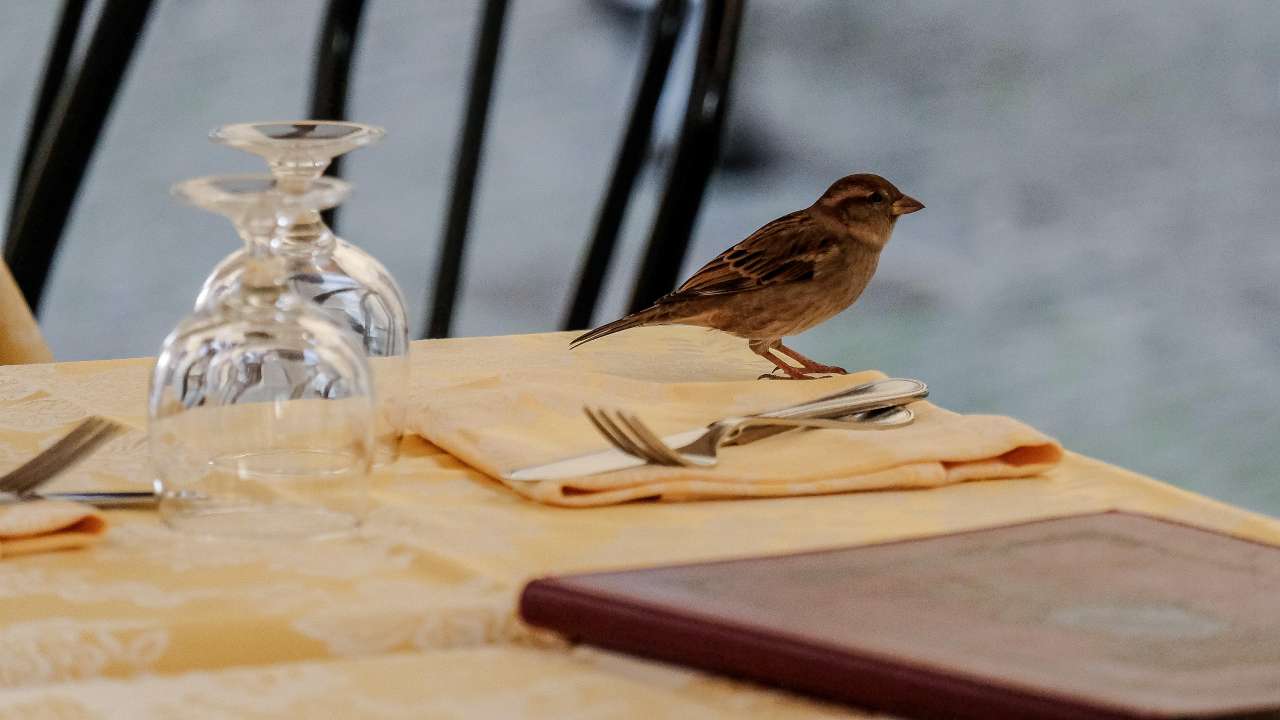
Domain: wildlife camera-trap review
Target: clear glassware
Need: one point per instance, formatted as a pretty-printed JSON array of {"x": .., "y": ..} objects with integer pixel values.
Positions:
[
  {"x": 323, "y": 194},
  {"x": 261, "y": 407},
  {"x": 346, "y": 281}
]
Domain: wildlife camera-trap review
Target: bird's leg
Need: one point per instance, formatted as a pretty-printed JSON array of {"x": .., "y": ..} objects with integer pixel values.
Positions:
[
  {"x": 807, "y": 365},
  {"x": 765, "y": 350}
]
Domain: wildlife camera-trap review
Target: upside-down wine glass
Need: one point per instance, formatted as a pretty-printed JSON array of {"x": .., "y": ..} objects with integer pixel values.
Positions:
[
  {"x": 261, "y": 406},
  {"x": 344, "y": 280}
]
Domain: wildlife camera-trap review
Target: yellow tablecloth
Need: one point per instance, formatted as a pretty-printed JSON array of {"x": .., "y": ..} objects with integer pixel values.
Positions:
[
  {"x": 465, "y": 684},
  {"x": 445, "y": 552}
]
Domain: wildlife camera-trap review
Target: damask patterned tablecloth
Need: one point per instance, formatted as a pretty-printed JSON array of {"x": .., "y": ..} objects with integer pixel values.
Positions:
[
  {"x": 445, "y": 553},
  {"x": 481, "y": 682}
]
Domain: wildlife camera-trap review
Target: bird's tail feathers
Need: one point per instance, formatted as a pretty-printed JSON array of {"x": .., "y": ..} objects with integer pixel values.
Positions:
[{"x": 644, "y": 317}]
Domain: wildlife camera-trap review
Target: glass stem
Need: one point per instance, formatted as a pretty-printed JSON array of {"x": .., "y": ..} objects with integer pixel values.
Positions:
[
  {"x": 253, "y": 241},
  {"x": 264, "y": 275},
  {"x": 295, "y": 175},
  {"x": 303, "y": 230}
]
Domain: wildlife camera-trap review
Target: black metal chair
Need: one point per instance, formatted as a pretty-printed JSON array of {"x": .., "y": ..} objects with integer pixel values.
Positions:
[{"x": 72, "y": 106}]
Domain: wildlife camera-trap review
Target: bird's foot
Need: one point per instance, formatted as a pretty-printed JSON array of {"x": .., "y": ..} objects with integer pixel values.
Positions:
[
  {"x": 771, "y": 376},
  {"x": 789, "y": 373}
]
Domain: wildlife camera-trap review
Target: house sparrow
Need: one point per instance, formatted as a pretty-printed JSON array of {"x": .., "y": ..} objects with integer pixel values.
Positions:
[{"x": 788, "y": 276}]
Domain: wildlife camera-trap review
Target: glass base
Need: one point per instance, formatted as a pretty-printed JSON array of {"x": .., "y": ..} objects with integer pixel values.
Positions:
[{"x": 278, "y": 493}]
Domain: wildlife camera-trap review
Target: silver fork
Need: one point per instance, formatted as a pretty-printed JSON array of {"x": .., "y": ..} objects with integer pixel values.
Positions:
[
  {"x": 58, "y": 457},
  {"x": 874, "y": 405},
  {"x": 627, "y": 433}
]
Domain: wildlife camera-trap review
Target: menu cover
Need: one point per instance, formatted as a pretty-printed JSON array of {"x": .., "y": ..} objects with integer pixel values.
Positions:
[{"x": 1111, "y": 615}]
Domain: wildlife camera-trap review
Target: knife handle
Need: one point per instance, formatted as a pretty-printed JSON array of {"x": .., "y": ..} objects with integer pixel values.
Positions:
[
  {"x": 878, "y": 419},
  {"x": 875, "y": 395},
  {"x": 107, "y": 499},
  {"x": 868, "y": 396}
]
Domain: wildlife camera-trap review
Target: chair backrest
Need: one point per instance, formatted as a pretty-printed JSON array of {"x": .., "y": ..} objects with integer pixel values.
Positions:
[
  {"x": 65, "y": 126},
  {"x": 71, "y": 109}
]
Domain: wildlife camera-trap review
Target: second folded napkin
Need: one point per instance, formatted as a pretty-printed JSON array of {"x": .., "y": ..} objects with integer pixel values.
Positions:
[
  {"x": 500, "y": 421},
  {"x": 44, "y": 525}
]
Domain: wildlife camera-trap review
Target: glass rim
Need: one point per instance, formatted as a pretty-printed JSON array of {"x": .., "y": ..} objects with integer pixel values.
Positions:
[{"x": 329, "y": 191}]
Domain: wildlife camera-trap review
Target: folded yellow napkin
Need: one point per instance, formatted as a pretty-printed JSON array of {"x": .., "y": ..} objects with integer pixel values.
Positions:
[
  {"x": 43, "y": 525},
  {"x": 500, "y": 421}
]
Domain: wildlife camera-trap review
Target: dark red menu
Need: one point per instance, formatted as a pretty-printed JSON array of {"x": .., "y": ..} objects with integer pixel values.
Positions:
[{"x": 1112, "y": 615}]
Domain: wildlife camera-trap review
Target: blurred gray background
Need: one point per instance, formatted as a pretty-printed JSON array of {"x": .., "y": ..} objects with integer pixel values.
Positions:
[{"x": 1099, "y": 255}]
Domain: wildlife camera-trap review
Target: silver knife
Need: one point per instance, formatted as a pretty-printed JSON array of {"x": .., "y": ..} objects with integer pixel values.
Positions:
[
  {"x": 868, "y": 396},
  {"x": 113, "y": 500}
]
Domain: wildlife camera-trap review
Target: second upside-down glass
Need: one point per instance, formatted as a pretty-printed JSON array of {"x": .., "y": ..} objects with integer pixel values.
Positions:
[{"x": 261, "y": 407}]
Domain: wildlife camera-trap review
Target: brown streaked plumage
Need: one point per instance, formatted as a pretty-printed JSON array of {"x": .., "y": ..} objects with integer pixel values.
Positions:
[{"x": 788, "y": 276}]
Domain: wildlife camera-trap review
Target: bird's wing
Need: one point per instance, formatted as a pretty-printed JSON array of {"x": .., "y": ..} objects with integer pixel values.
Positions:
[{"x": 786, "y": 250}]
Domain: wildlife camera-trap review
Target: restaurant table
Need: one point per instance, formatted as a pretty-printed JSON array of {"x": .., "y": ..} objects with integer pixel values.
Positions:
[{"x": 428, "y": 590}]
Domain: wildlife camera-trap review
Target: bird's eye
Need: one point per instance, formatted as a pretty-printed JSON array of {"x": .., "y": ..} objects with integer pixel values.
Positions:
[{"x": 875, "y": 198}]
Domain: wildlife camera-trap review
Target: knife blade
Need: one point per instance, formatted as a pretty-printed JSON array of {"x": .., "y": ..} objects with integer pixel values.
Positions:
[{"x": 594, "y": 463}]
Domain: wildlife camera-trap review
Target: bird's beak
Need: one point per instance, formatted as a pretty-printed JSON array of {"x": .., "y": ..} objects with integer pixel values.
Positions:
[{"x": 906, "y": 205}]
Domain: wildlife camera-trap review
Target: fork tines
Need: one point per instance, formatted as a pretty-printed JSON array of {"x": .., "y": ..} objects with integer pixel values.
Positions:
[
  {"x": 64, "y": 453},
  {"x": 631, "y": 436}
]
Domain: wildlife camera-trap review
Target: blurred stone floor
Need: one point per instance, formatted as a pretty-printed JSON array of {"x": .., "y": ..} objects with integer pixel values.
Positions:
[{"x": 1099, "y": 255}]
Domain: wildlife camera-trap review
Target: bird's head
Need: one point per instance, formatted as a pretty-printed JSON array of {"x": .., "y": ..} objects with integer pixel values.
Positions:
[{"x": 864, "y": 205}]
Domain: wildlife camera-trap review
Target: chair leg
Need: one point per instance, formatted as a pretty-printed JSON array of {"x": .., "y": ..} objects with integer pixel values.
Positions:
[
  {"x": 331, "y": 76},
  {"x": 55, "y": 71},
  {"x": 449, "y": 269},
  {"x": 696, "y": 152},
  {"x": 664, "y": 30}
]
